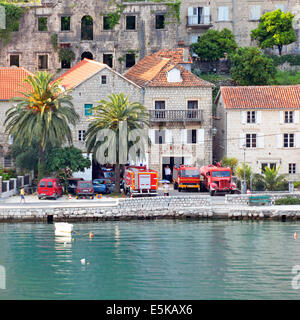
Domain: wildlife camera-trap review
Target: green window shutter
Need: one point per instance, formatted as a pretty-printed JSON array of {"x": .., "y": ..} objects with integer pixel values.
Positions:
[{"x": 88, "y": 109}]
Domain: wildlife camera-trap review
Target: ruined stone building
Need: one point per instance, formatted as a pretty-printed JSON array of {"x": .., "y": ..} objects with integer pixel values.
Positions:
[
  {"x": 56, "y": 34},
  {"x": 85, "y": 28}
]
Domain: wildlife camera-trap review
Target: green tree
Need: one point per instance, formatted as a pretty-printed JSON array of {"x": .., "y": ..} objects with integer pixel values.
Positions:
[
  {"x": 68, "y": 157},
  {"x": 43, "y": 113},
  {"x": 271, "y": 179},
  {"x": 213, "y": 45},
  {"x": 275, "y": 29},
  {"x": 25, "y": 157},
  {"x": 231, "y": 163},
  {"x": 248, "y": 173},
  {"x": 109, "y": 114},
  {"x": 250, "y": 67}
]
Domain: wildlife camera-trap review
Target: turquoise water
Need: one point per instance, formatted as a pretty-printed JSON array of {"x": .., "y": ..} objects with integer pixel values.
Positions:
[{"x": 151, "y": 260}]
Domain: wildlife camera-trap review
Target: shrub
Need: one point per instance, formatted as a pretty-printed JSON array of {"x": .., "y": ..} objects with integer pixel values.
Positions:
[{"x": 287, "y": 200}]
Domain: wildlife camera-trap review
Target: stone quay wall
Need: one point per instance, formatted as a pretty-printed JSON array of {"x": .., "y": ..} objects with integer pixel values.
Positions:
[{"x": 184, "y": 207}]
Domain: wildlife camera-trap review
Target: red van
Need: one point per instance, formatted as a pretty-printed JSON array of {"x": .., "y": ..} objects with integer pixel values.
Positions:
[{"x": 49, "y": 188}]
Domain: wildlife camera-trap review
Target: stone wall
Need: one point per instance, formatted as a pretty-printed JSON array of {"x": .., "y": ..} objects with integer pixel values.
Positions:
[
  {"x": 143, "y": 40},
  {"x": 239, "y": 19}
]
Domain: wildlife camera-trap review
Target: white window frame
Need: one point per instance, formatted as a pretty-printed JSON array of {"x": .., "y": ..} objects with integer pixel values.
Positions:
[
  {"x": 255, "y": 12},
  {"x": 223, "y": 13}
]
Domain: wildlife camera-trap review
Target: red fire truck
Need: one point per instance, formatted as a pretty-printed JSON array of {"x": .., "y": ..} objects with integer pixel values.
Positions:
[
  {"x": 186, "y": 177},
  {"x": 217, "y": 179},
  {"x": 138, "y": 180}
]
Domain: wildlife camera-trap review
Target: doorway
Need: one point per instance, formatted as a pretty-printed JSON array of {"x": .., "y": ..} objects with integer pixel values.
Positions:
[{"x": 171, "y": 162}]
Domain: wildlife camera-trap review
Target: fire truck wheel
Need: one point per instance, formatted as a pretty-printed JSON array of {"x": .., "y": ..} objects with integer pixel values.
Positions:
[
  {"x": 179, "y": 189},
  {"x": 212, "y": 192}
]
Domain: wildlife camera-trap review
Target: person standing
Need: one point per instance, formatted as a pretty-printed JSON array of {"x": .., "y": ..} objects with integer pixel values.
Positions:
[
  {"x": 22, "y": 193},
  {"x": 168, "y": 173}
]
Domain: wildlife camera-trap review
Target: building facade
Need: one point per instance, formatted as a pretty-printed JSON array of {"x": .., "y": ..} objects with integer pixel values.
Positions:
[
  {"x": 10, "y": 80},
  {"x": 83, "y": 30},
  {"x": 180, "y": 107},
  {"x": 260, "y": 125},
  {"x": 240, "y": 16}
]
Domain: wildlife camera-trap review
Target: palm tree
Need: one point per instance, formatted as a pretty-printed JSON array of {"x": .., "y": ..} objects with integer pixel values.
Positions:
[
  {"x": 270, "y": 178},
  {"x": 43, "y": 113},
  {"x": 108, "y": 117},
  {"x": 247, "y": 174}
]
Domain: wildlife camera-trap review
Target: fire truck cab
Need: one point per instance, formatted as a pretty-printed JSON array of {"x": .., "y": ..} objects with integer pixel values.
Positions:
[
  {"x": 186, "y": 177},
  {"x": 138, "y": 180},
  {"x": 217, "y": 179}
]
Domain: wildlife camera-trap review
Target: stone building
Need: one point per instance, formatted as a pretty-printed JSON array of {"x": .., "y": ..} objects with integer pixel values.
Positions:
[
  {"x": 260, "y": 125},
  {"x": 91, "y": 81},
  {"x": 84, "y": 28},
  {"x": 180, "y": 107},
  {"x": 10, "y": 80},
  {"x": 240, "y": 16}
]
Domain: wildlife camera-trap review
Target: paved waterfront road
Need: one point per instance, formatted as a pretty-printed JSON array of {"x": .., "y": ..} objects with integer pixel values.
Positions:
[{"x": 106, "y": 201}]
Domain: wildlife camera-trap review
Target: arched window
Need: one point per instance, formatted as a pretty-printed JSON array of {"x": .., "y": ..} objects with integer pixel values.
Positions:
[
  {"x": 87, "y": 55},
  {"x": 87, "y": 28}
]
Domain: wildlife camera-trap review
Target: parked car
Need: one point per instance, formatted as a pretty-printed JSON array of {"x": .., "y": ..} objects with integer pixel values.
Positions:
[
  {"x": 49, "y": 188},
  {"x": 84, "y": 189},
  {"x": 72, "y": 184},
  {"x": 103, "y": 186}
]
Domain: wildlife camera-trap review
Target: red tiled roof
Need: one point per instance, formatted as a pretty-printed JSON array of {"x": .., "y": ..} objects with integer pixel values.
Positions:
[
  {"x": 80, "y": 72},
  {"x": 178, "y": 55},
  {"x": 152, "y": 71},
  {"x": 11, "y": 81},
  {"x": 261, "y": 97}
]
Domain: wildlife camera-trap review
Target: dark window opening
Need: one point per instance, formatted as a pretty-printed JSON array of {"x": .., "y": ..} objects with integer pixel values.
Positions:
[
  {"x": 65, "y": 64},
  {"x": 65, "y": 23},
  {"x": 42, "y": 24},
  {"x": 251, "y": 140},
  {"x": 87, "y": 28},
  {"x": 251, "y": 116},
  {"x": 288, "y": 140},
  {"x": 292, "y": 168},
  {"x": 130, "y": 60},
  {"x": 103, "y": 79},
  {"x": 192, "y": 136},
  {"x": 106, "y": 23},
  {"x": 159, "y": 21},
  {"x": 288, "y": 116},
  {"x": 108, "y": 59},
  {"x": 159, "y": 137},
  {"x": 160, "y": 107},
  {"x": 43, "y": 62},
  {"x": 14, "y": 60},
  {"x": 87, "y": 55},
  {"x": 130, "y": 23},
  {"x": 192, "y": 109}
]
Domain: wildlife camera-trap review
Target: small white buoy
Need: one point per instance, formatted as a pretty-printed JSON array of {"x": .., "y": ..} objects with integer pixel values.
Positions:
[{"x": 82, "y": 261}]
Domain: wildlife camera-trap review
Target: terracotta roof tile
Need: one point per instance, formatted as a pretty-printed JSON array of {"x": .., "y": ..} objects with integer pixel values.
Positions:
[
  {"x": 261, "y": 97},
  {"x": 80, "y": 72},
  {"x": 11, "y": 81},
  {"x": 152, "y": 71},
  {"x": 178, "y": 55}
]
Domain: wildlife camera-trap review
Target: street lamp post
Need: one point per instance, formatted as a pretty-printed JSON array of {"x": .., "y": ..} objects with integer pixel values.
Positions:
[{"x": 244, "y": 183}]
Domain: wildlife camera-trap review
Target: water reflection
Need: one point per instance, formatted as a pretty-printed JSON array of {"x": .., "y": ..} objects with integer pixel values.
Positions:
[{"x": 151, "y": 260}]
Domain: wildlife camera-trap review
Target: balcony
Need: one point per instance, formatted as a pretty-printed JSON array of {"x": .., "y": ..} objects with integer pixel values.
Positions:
[
  {"x": 176, "y": 115},
  {"x": 199, "y": 22}
]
